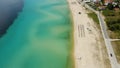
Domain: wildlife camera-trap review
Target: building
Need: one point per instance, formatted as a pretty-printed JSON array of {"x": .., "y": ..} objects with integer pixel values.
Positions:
[
  {"x": 107, "y": 1},
  {"x": 96, "y": 0},
  {"x": 86, "y": 0},
  {"x": 83, "y": 0}
]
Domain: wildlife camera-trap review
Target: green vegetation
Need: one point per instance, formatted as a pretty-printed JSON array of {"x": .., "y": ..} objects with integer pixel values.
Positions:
[
  {"x": 112, "y": 19},
  {"x": 108, "y": 13},
  {"x": 116, "y": 48},
  {"x": 94, "y": 17},
  {"x": 110, "y": 6},
  {"x": 102, "y": 1}
]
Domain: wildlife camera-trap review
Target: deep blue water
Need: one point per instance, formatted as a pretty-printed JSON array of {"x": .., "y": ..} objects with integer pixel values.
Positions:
[
  {"x": 9, "y": 10},
  {"x": 39, "y": 36}
]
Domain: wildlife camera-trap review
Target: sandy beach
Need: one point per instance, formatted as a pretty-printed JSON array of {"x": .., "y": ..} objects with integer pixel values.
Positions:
[{"x": 87, "y": 47}]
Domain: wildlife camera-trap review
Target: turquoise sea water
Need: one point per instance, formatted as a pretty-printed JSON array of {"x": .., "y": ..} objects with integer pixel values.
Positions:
[{"x": 39, "y": 37}]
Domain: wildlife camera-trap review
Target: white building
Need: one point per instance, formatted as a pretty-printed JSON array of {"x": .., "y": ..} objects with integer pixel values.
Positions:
[
  {"x": 86, "y": 0},
  {"x": 95, "y": 0},
  {"x": 83, "y": 0},
  {"x": 89, "y": 0}
]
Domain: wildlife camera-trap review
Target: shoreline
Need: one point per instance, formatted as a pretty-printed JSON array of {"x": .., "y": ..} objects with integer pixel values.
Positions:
[
  {"x": 87, "y": 53},
  {"x": 71, "y": 64}
]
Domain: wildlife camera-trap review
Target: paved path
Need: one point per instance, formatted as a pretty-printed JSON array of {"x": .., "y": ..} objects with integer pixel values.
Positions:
[
  {"x": 112, "y": 57},
  {"x": 114, "y": 39},
  {"x": 110, "y": 51}
]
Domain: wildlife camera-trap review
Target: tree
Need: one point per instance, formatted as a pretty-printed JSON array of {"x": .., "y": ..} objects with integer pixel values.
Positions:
[
  {"x": 110, "y": 6},
  {"x": 102, "y": 1},
  {"x": 118, "y": 3}
]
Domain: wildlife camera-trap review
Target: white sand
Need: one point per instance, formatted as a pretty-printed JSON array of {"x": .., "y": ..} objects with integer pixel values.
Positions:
[{"x": 86, "y": 39}]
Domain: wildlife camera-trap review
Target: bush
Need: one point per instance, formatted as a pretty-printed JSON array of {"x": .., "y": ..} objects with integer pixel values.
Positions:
[
  {"x": 110, "y": 6},
  {"x": 113, "y": 21},
  {"x": 108, "y": 13}
]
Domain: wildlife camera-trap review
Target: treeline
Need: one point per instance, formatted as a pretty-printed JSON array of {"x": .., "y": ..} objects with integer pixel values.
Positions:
[{"x": 112, "y": 20}]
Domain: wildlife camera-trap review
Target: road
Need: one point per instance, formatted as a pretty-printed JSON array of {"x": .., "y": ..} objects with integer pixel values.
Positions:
[
  {"x": 110, "y": 51},
  {"x": 85, "y": 36},
  {"x": 112, "y": 57}
]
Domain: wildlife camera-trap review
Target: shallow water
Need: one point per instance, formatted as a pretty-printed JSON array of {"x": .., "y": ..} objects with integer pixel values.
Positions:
[{"x": 39, "y": 37}]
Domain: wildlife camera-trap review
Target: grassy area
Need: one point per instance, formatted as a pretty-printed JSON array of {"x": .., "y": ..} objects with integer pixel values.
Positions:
[
  {"x": 114, "y": 34},
  {"x": 116, "y": 48},
  {"x": 94, "y": 17},
  {"x": 112, "y": 19}
]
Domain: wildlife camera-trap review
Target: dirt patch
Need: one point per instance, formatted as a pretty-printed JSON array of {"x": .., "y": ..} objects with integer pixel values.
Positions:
[{"x": 116, "y": 48}]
